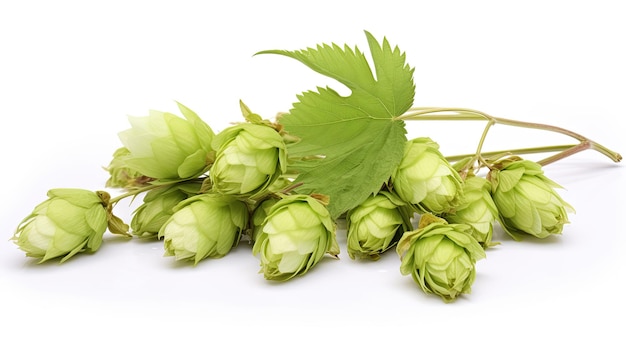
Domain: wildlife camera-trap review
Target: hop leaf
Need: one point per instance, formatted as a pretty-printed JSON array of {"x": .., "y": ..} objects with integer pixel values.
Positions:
[{"x": 355, "y": 139}]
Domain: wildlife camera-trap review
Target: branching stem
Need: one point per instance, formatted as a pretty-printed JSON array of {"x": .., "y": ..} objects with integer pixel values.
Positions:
[{"x": 456, "y": 114}]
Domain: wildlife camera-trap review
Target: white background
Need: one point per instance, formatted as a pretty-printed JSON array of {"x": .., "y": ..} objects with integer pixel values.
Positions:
[{"x": 70, "y": 73}]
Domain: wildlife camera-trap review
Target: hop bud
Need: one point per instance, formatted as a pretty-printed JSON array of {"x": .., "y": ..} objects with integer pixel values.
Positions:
[
  {"x": 441, "y": 257},
  {"x": 476, "y": 209},
  {"x": 296, "y": 234},
  {"x": 376, "y": 225},
  {"x": 250, "y": 157},
  {"x": 121, "y": 176},
  {"x": 526, "y": 199},
  {"x": 165, "y": 146},
  {"x": 158, "y": 205},
  {"x": 68, "y": 222},
  {"x": 425, "y": 178},
  {"x": 204, "y": 226}
]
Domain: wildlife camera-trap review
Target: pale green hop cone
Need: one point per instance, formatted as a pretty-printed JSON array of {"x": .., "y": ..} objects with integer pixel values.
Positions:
[
  {"x": 441, "y": 257},
  {"x": 297, "y": 232},
  {"x": 165, "y": 146},
  {"x": 158, "y": 206},
  {"x": 527, "y": 201},
  {"x": 477, "y": 209},
  {"x": 122, "y": 176},
  {"x": 250, "y": 157},
  {"x": 68, "y": 222},
  {"x": 204, "y": 226},
  {"x": 426, "y": 179},
  {"x": 376, "y": 225}
]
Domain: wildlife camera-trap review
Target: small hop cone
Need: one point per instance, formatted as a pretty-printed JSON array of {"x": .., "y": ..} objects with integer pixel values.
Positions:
[
  {"x": 526, "y": 199},
  {"x": 296, "y": 234},
  {"x": 122, "y": 176},
  {"x": 426, "y": 179},
  {"x": 158, "y": 206},
  {"x": 204, "y": 226},
  {"x": 249, "y": 158},
  {"x": 68, "y": 222},
  {"x": 376, "y": 225},
  {"x": 477, "y": 209},
  {"x": 441, "y": 257}
]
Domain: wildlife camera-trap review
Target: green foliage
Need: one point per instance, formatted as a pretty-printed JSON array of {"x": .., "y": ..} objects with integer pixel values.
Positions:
[{"x": 349, "y": 145}]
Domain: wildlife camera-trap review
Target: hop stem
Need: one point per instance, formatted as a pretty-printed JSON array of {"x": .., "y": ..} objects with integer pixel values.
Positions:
[
  {"x": 142, "y": 189},
  {"x": 521, "y": 151},
  {"x": 455, "y": 114}
]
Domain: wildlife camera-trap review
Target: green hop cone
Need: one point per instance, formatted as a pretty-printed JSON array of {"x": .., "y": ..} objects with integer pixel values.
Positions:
[
  {"x": 204, "y": 226},
  {"x": 297, "y": 232},
  {"x": 440, "y": 256},
  {"x": 68, "y": 222},
  {"x": 376, "y": 225},
  {"x": 477, "y": 209},
  {"x": 426, "y": 179},
  {"x": 165, "y": 146},
  {"x": 527, "y": 200},
  {"x": 250, "y": 157},
  {"x": 121, "y": 176},
  {"x": 158, "y": 206}
]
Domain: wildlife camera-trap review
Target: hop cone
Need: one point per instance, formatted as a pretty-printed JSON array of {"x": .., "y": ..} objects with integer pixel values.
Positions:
[
  {"x": 426, "y": 179},
  {"x": 527, "y": 200},
  {"x": 250, "y": 157},
  {"x": 68, "y": 222},
  {"x": 165, "y": 146},
  {"x": 296, "y": 234},
  {"x": 376, "y": 225},
  {"x": 122, "y": 176},
  {"x": 440, "y": 256},
  {"x": 158, "y": 206},
  {"x": 477, "y": 209},
  {"x": 204, "y": 226}
]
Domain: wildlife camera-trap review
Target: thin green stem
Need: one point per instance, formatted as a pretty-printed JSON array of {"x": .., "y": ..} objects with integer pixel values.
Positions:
[
  {"x": 479, "y": 148},
  {"x": 140, "y": 190},
  {"x": 522, "y": 151},
  {"x": 455, "y": 114}
]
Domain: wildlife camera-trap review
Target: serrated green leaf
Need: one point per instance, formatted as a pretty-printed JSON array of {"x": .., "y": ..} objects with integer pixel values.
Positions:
[{"x": 356, "y": 137}]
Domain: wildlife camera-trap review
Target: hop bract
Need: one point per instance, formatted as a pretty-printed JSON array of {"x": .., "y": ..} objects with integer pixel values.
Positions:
[
  {"x": 425, "y": 178},
  {"x": 527, "y": 200},
  {"x": 165, "y": 146},
  {"x": 204, "y": 226},
  {"x": 376, "y": 225},
  {"x": 296, "y": 234},
  {"x": 259, "y": 215},
  {"x": 158, "y": 205},
  {"x": 68, "y": 222},
  {"x": 250, "y": 157},
  {"x": 477, "y": 209},
  {"x": 441, "y": 257}
]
